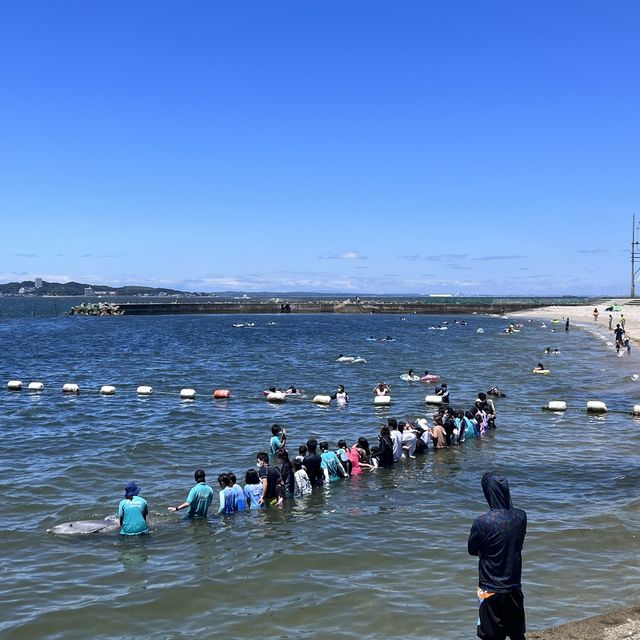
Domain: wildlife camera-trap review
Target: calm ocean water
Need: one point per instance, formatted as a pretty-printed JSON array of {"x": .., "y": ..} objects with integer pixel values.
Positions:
[{"x": 383, "y": 555}]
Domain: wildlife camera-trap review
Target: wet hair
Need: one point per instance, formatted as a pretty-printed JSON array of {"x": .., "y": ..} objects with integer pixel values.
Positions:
[
  {"x": 283, "y": 454},
  {"x": 297, "y": 465},
  {"x": 342, "y": 444},
  {"x": 223, "y": 479},
  {"x": 251, "y": 477},
  {"x": 384, "y": 430},
  {"x": 302, "y": 449},
  {"x": 199, "y": 475},
  {"x": 275, "y": 429},
  {"x": 263, "y": 457},
  {"x": 324, "y": 446},
  {"x": 401, "y": 424},
  {"x": 312, "y": 445},
  {"x": 393, "y": 423},
  {"x": 232, "y": 477},
  {"x": 375, "y": 451},
  {"x": 482, "y": 396},
  {"x": 272, "y": 389},
  {"x": 363, "y": 443}
]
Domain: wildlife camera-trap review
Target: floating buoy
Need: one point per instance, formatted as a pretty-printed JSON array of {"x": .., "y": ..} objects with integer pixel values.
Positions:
[
  {"x": 596, "y": 406},
  {"x": 144, "y": 390},
  {"x": 14, "y": 385},
  {"x": 187, "y": 394},
  {"x": 70, "y": 387},
  {"x": 433, "y": 400},
  {"x": 107, "y": 390},
  {"x": 636, "y": 409},
  {"x": 276, "y": 396},
  {"x": 383, "y": 401},
  {"x": 36, "y": 386},
  {"x": 220, "y": 394},
  {"x": 557, "y": 405},
  {"x": 321, "y": 399}
]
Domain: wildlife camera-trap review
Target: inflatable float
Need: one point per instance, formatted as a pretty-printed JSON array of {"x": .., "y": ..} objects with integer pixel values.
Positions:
[
  {"x": 544, "y": 372},
  {"x": 410, "y": 378},
  {"x": 430, "y": 377}
]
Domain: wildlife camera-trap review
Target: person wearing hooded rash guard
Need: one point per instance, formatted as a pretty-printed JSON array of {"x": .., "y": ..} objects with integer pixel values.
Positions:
[{"x": 497, "y": 538}]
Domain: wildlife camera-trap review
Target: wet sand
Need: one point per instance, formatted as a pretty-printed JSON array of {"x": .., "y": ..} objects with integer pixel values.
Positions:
[{"x": 616, "y": 625}]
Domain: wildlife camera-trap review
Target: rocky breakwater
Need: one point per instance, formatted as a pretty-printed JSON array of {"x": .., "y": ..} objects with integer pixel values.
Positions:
[{"x": 95, "y": 309}]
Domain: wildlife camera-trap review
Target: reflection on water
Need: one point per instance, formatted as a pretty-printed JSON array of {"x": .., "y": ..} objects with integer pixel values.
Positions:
[{"x": 339, "y": 561}]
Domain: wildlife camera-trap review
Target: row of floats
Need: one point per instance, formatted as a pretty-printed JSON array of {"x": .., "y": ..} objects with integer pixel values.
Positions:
[{"x": 593, "y": 406}]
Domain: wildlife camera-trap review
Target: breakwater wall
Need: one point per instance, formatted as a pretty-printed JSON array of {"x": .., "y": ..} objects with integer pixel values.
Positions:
[{"x": 318, "y": 306}]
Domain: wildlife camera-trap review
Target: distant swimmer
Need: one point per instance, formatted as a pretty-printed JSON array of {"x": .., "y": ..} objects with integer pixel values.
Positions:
[
  {"x": 132, "y": 512},
  {"x": 381, "y": 389},
  {"x": 540, "y": 368},
  {"x": 387, "y": 339},
  {"x": 341, "y": 396},
  {"x": 496, "y": 392}
]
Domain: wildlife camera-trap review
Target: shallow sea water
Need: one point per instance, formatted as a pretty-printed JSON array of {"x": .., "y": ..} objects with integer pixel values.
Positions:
[{"x": 382, "y": 555}]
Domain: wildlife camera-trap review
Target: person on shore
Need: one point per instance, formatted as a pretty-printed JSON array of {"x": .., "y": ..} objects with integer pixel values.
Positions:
[
  {"x": 610, "y": 322},
  {"x": 226, "y": 495},
  {"x": 497, "y": 538},
  {"x": 132, "y": 512},
  {"x": 623, "y": 320},
  {"x": 627, "y": 344},
  {"x": 252, "y": 489},
  {"x": 199, "y": 498},
  {"x": 278, "y": 439},
  {"x": 595, "y": 315},
  {"x": 270, "y": 480},
  {"x": 313, "y": 464}
]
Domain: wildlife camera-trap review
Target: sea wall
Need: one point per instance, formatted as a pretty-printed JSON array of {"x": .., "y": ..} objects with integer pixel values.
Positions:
[{"x": 160, "y": 308}]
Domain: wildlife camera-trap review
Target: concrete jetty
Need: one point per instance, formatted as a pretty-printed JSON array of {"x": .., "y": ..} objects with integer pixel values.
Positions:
[{"x": 445, "y": 305}]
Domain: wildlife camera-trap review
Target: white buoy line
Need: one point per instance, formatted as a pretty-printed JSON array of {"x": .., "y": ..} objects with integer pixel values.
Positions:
[{"x": 279, "y": 397}]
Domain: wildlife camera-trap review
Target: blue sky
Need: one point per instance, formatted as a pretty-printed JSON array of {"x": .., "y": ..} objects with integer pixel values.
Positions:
[{"x": 342, "y": 146}]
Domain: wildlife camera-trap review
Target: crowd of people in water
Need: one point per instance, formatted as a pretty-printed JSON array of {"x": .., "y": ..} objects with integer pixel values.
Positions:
[{"x": 278, "y": 476}]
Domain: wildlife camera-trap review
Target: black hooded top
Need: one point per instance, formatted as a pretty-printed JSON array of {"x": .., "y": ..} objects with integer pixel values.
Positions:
[{"x": 497, "y": 538}]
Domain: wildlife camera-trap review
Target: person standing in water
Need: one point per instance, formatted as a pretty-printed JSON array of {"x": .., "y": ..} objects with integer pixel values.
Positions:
[
  {"x": 595, "y": 315},
  {"x": 132, "y": 512},
  {"x": 497, "y": 538},
  {"x": 199, "y": 498}
]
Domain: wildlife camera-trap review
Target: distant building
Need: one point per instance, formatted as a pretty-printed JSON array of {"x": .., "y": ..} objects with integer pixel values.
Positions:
[
  {"x": 38, "y": 283},
  {"x": 88, "y": 291}
]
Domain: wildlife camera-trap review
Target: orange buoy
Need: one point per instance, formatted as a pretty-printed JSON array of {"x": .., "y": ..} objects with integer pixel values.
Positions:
[{"x": 219, "y": 394}]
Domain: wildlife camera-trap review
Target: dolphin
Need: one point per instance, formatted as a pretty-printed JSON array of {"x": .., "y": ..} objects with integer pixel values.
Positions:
[{"x": 83, "y": 527}]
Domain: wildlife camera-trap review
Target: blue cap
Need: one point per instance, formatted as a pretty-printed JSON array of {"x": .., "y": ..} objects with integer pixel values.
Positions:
[{"x": 131, "y": 489}]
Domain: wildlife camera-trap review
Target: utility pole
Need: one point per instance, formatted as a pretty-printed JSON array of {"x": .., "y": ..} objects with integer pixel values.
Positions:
[{"x": 635, "y": 253}]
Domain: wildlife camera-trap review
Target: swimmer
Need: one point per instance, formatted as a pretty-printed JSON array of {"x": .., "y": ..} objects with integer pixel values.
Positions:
[
  {"x": 341, "y": 395},
  {"x": 381, "y": 389},
  {"x": 496, "y": 392},
  {"x": 539, "y": 367}
]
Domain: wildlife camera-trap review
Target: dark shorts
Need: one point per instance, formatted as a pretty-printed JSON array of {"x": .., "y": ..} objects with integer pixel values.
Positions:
[{"x": 502, "y": 616}]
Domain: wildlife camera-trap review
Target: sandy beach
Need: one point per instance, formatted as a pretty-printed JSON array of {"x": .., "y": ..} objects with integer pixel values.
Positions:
[{"x": 584, "y": 315}]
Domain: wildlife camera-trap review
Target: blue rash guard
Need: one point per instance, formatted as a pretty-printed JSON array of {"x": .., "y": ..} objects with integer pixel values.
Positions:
[
  {"x": 199, "y": 500},
  {"x": 227, "y": 500},
  {"x": 240, "y": 502},
  {"x": 253, "y": 493},
  {"x": 275, "y": 444},
  {"x": 133, "y": 514},
  {"x": 497, "y": 538}
]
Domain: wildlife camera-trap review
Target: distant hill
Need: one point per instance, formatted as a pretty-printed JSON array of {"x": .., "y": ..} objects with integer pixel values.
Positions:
[{"x": 78, "y": 289}]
